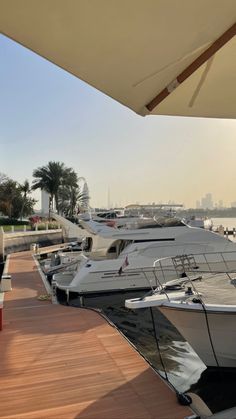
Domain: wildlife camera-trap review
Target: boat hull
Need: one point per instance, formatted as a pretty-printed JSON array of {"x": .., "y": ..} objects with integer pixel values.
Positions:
[
  {"x": 212, "y": 334},
  {"x": 100, "y": 283}
]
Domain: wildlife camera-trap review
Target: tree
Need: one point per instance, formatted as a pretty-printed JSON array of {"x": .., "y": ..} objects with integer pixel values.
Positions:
[
  {"x": 67, "y": 193},
  {"x": 53, "y": 178},
  {"x": 12, "y": 203},
  {"x": 3, "y": 178},
  {"x": 49, "y": 178},
  {"x": 25, "y": 189},
  {"x": 71, "y": 199},
  {"x": 8, "y": 193}
]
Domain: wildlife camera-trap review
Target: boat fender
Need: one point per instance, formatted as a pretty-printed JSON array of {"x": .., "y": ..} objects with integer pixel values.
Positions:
[
  {"x": 196, "y": 300},
  {"x": 184, "y": 399}
]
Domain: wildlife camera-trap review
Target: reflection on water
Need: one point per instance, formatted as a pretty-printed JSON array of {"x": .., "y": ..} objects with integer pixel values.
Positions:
[{"x": 184, "y": 369}]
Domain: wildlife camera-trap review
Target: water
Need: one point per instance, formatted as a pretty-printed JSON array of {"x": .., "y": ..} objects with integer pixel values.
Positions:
[
  {"x": 184, "y": 369},
  {"x": 225, "y": 222}
]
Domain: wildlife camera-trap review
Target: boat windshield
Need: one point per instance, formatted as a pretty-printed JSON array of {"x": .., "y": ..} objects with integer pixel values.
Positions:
[{"x": 118, "y": 246}]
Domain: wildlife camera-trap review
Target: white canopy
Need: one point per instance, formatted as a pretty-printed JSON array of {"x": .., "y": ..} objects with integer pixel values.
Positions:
[{"x": 134, "y": 50}]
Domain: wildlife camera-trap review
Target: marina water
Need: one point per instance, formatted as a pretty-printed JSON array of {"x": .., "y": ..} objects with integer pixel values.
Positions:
[{"x": 225, "y": 222}]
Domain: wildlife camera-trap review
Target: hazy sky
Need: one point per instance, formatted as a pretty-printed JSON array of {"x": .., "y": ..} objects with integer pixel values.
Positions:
[{"x": 47, "y": 114}]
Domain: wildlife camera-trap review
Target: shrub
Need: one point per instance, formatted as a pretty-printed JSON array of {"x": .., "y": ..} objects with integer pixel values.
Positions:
[
  {"x": 41, "y": 226},
  {"x": 11, "y": 221},
  {"x": 53, "y": 226}
]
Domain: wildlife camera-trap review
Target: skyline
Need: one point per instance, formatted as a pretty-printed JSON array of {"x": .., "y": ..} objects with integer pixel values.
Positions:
[{"x": 48, "y": 114}]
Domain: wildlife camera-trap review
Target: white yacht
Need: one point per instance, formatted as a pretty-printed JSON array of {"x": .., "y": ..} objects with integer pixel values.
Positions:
[
  {"x": 129, "y": 251},
  {"x": 116, "y": 218},
  {"x": 202, "y": 306},
  {"x": 201, "y": 222},
  {"x": 59, "y": 261}
]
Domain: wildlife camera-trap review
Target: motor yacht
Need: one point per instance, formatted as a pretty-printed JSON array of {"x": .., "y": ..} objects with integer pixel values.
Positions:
[
  {"x": 60, "y": 261},
  {"x": 201, "y": 305},
  {"x": 131, "y": 250},
  {"x": 201, "y": 222},
  {"x": 116, "y": 218}
]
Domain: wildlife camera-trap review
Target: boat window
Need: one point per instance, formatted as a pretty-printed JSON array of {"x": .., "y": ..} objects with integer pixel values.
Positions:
[
  {"x": 124, "y": 244},
  {"x": 118, "y": 246},
  {"x": 112, "y": 249}
]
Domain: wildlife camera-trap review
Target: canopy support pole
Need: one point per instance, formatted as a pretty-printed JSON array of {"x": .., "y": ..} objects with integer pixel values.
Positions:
[{"x": 216, "y": 46}]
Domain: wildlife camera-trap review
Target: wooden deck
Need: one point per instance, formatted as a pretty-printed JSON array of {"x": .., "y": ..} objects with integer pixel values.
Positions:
[{"x": 64, "y": 362}]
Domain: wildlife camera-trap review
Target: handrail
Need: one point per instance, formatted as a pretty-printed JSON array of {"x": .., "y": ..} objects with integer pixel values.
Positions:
[
  {"x": 161, "y": 273},
  {"x": 161, "y": 269}
]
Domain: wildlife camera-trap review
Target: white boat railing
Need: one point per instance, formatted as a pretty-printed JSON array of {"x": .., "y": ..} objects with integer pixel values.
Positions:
[
  {"x": 214, "y": 262},
  {"x": 187, "y": 267}
]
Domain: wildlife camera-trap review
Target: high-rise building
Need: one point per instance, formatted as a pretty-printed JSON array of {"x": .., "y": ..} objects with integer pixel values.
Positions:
[{"x": 207, "y": 202}]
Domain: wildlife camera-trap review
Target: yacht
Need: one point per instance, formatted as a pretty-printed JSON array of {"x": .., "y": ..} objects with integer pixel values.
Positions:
[
  {"x": 129, "y": 251},
  {"x": 60, "y": 261},
  {"x": 201, "y": 222},
  {"x": 116, "y": 218},
  {"x": 201, "y": 305}
]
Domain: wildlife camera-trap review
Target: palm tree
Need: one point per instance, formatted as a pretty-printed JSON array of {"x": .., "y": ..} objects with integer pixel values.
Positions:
[
  {"x": 70, "y": 184},
  {"x": 71, "y": 199},
  {"x": 52, "y": 177},
  {"x": 25, "y": 189},
  {"x": 49, "y": 178}
]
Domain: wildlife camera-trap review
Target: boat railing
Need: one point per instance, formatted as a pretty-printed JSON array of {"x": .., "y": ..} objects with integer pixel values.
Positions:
[
  {"x": 186, "y": 267},
  {"x": 214, "y": 262}
]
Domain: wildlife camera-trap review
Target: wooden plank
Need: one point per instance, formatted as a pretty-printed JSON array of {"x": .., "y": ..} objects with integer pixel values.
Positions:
[{"x": 64, "y": 362}]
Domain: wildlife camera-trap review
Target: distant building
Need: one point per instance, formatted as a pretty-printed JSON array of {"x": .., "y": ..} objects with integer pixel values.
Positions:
[
  {"x": 233, "y": 204},
  {"x": 207, "y": 202},
  {"x": 44, "y": 202},
  {"x": 198, "y": 204}
]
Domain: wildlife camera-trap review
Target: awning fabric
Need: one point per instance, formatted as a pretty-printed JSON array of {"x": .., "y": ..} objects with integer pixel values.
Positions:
[{"x": 132, "y": 50}]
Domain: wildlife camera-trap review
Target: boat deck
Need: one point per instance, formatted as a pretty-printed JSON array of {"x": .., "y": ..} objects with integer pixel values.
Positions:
[
  {"x": 63, "y": 362},
  {"x": 217, "y": 289}
]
